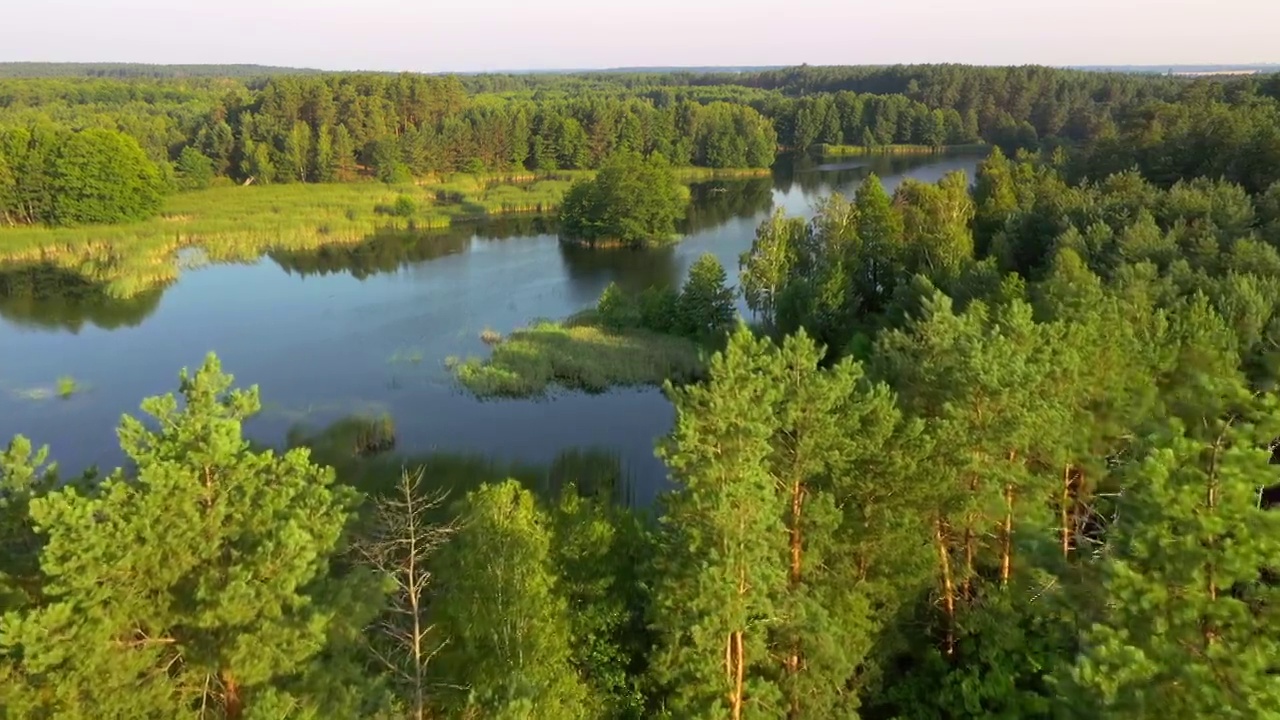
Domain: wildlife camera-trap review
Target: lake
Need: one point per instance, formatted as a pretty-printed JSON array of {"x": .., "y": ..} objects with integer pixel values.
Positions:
[{"x": 366, "y": 329}]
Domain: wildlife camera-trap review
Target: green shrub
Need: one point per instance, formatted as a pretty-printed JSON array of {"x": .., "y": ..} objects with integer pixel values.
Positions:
[
  {"x": 658, "y": 309},
  {"x": 616, "y": 309},
  {"x": 404, "y": 206}
]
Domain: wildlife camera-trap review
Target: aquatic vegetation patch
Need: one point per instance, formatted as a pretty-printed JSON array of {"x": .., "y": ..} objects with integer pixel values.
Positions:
[
  {"x": 895, "y": 149},
  {"x": 579, "y": 354},
  {"x": 374, "y": 436},
  {"x": 63, "y": 388},
  {"x": 407, "y": 356},
  {"x": 67, "y": 386}
]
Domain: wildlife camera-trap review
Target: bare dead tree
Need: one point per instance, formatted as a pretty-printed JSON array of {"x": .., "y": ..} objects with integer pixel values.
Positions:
[{"x": 398, "y": 547}]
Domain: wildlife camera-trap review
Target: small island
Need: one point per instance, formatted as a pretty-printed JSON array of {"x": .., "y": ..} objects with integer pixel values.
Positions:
[
  {"x": 625, "y": 341},
  {"x": 633, "y": 202}
]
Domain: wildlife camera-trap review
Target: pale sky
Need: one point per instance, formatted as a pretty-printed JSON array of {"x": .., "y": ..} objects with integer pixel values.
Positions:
[{"x": 469, "y": 35}]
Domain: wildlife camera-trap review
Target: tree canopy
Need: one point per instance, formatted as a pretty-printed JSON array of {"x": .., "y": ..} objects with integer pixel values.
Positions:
[{"x": 632, "y": 201}]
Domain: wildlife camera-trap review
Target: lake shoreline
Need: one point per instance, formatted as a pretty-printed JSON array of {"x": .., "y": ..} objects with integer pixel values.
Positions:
[{"x": 239, "y": 224}]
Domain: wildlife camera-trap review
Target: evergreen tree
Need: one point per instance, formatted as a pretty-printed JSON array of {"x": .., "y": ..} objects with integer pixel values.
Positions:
[
  {"x": 344, "y": 167},
  {"x": 705, "y": 307},
  {"x": 198, "y": 585},
  {"x": 1188, "y": 623},
  {"x": 720, "y": 569},
  {"x": 322, "y": 162}
]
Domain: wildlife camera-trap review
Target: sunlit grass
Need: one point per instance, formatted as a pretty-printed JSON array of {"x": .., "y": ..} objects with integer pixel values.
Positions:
[
  {"x": 231, "y": 223},
  {"x": 896, "y": 149},
  {"x": 578, "y": 354}
]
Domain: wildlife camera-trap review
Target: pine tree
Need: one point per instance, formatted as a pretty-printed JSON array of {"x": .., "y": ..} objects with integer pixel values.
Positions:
[
  {"x": 198, "y": 584},
  {"x": 981, "y": 381},
  {"x": 705, "y": 307},
  {"x": 828, "y": 424},
  {"x": 322, "y": 167},
  {"x": 720, "y": 570},
  {"x": 23, "y": 478},
  {"x": 344, "y": 168},
  {"x": 1188, "y": 624}
]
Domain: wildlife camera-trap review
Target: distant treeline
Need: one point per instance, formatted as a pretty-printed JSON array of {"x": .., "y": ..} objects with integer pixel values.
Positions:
[
  {"x": 142, "y": 70},
  {"x": 346, "y": 126}
]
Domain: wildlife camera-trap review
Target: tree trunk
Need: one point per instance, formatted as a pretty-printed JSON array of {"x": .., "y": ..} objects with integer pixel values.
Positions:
[
  {"x": 797, "y": 543},
  {"x": 736, "y": 658},
  {"x": 1211, "y": 503},
  {"x": 948, "y": 588},
  {"x": 1006, "y": 551},
  {"x": 740, "y": 660},
  {"x": 1065, "y": 510},
  {"x": 232, "y": 705},
  {"x": 966, "y": 585}
]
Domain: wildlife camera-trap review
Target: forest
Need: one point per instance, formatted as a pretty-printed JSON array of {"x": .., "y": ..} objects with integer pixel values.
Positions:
[
  {"x": 989, "y": 447},
  {"x": 337, "y": 127}
]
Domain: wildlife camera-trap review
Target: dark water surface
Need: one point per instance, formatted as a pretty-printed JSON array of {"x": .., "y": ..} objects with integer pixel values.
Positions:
[{"x": 342, "y": 331}]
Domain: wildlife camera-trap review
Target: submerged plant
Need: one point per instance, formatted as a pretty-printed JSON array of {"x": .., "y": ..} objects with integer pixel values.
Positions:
[{"x": 375, "y": 436}]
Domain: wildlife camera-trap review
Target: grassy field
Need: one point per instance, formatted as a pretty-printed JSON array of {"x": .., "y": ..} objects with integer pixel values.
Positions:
[
  {"x": 857, "y": 150},
  {"x": 579, "y": 355},
  {"x": 233, "y": 223}
]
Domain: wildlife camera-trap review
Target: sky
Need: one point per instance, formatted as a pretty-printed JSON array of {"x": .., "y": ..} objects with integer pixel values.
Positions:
[{"x": 477, "y": 35}]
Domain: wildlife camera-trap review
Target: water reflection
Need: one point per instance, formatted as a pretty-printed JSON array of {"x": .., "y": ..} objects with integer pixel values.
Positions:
[
  {"x": 598, "y": 472},
  {"x": 715, "y": 203},
  {"x": 633, "y": 270},
  {"x": 43, "y": 295},
  {"x": 383, "y": 252}
]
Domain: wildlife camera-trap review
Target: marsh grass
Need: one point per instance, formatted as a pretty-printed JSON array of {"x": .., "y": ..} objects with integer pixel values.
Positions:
[
  {"x": 897, "y": 149},
  {"x": 239, "y": 224},
  {"x": 700, "y": 174},
  {"x": 578, "y": 354},
  {"x": 374, "y": 436}
]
